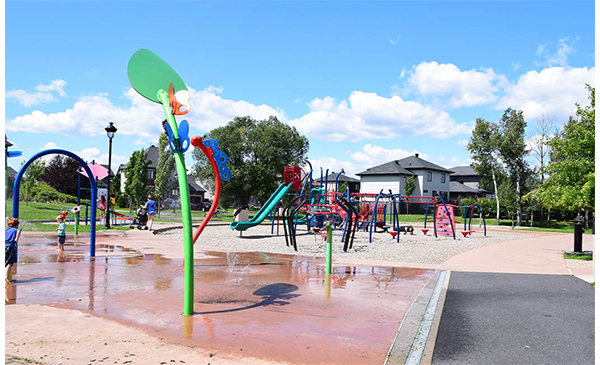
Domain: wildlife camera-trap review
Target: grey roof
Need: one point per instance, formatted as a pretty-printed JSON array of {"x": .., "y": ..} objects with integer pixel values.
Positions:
[
  {"x": 193, "y": 185},
  {"x": 342, "y": 178},
  {"x": 463, "y": 171},
  {"x": 456, "y": 187},
  {"x": 152, "y": 152},
  {"x": 403, "y": 167},
  {"x": 12, "y": 173}
]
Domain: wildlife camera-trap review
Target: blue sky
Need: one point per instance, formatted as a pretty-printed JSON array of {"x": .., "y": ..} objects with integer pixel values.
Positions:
[{"x": 366, "y": 82}]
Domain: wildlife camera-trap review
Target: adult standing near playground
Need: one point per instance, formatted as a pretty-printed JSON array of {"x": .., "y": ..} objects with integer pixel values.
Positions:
[
  {"x": 151, "y": 210},
  {"x": 11, "y": 239}
]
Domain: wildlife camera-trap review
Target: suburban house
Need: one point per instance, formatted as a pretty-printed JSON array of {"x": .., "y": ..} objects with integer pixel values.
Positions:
[
  {"x": 197, "y": 192},
  {"x": 430, "y": 179},
  {"x": 464, "y": 183},
  {"x": 353, "y": 184}
]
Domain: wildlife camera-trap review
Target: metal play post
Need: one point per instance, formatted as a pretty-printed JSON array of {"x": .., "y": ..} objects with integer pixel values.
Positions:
[{"x": 150, "y": 76}]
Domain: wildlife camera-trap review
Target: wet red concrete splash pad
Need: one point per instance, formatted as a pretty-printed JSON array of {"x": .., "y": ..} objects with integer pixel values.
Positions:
[{"x": 277, "y": 307}]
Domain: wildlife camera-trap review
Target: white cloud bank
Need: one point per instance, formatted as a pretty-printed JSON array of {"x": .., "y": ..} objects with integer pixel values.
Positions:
[
  {"x": 370, "y": 116},
  {"x": 455, "y": 87},
  {"x": 552, "y": 92},
  {"x": 91, "y": 114}
]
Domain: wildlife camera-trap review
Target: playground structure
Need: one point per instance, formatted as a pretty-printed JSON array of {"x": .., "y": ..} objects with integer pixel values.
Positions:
[{"x": 444, "y": 219}]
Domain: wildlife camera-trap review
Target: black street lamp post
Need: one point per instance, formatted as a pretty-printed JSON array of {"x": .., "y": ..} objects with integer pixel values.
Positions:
[{"x": 110, "y": 132}]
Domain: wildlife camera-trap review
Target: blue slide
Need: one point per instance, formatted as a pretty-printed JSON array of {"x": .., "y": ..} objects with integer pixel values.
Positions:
[{"x": 264, "y": 211}]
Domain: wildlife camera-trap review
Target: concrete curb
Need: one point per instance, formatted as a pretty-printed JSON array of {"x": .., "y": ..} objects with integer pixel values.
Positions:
[{"x": 414, "y": 324}]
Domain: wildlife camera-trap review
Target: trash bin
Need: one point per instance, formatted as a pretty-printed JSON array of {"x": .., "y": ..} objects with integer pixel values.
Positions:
[{"x": 241, "y": 214}]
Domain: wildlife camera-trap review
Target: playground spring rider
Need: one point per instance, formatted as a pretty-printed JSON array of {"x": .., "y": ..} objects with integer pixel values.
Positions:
[{"x": 155, "y": 80}]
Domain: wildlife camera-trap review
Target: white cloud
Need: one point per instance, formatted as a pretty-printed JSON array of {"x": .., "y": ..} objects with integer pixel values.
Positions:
[
  {"x": 516, "y": 66},
  {"x": 214, "y": 89},
  {"x": 552, "y": 92},
  {"x": 371, "y": 156},
  {"x": 56, "y": 85},
  {"x": 29, "y": 99},
  {"x": 559, "y": 58},
  {"x": 43, "y": 96},
  {"x": 370, "y": 116},
  {"x": 395, "y": 41},
  {"x": 334, "y": 165},
  {"x": 449, "y": 162},
  {"x": 462, "y": 142},
  {"x": 91, "y": 114},
  {"x": 446, "y": 83},
  {"x": 210, "y": 111},
  {"x": 87, "y": 154}
]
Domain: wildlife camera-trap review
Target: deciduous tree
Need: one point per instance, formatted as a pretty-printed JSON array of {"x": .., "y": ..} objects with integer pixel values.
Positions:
[
  {"x": 61, "y": 173},
  {"x": 32, "y": 175},
  {"x": 165, "y": 169},
  {"x": 258, "y": 152},
  {"x": 136, "y": 177},
  {"x": 513, "y": 150},
  {"x": 571, "y": 185},
  {"x": 484, "y": 148}
]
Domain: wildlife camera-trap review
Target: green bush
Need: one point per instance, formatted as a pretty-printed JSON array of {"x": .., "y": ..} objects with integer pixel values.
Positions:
[
  {"x": 53, "y": 196},
  {"x": 122, "y": 201}
]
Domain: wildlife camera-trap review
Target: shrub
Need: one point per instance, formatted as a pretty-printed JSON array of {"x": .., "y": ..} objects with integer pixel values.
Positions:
[
  {"x": 122, "y": 201},
  {"x": 53, "y": 196}
]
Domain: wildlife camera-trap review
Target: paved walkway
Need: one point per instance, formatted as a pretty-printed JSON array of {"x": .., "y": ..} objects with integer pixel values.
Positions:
[{"x": 515, "y": 302}]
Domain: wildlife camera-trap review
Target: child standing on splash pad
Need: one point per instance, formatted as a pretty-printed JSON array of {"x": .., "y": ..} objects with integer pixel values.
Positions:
[
  {"x": 102, "y": 206},
  {"x": 11, "y": 239},
  {"x": 151, "y": 209},
  {"x": 62, "y": 234}
]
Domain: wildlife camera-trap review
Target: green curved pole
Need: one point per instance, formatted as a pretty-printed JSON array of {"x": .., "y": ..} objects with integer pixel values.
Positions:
[{"x": 186, "y": 213}]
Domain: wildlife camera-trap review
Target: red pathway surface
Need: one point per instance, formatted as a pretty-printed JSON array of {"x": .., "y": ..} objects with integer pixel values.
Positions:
[{"x": 274, "y": 307}]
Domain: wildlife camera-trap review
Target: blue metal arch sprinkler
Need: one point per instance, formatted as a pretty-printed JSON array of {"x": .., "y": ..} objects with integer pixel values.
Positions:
[{"x": 94, "y": 197}]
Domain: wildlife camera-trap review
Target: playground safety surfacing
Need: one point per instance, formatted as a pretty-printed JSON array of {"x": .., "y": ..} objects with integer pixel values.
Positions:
[{"x": 270, "y": 306}]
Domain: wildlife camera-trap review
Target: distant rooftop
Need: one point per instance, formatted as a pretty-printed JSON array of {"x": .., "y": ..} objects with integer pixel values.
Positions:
[
  {"x": 463, "y": 171},
  {"x": 403, "y": 167}
]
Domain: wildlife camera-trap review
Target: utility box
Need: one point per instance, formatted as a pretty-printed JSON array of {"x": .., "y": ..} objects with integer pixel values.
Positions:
[{"x": 242, "y": 216}]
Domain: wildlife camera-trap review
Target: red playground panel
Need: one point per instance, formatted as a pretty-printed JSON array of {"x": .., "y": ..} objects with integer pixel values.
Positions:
[
  {"x": 443, "y": 222},
  {"x": 292, "y": 174}
]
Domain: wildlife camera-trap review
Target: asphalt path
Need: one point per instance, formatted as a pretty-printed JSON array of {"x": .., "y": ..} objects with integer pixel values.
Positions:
[{"x": 493, "y": 318}]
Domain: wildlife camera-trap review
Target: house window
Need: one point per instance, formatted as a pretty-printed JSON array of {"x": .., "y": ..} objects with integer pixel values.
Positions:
[
  {"x": 151, "y": 174},
  {"x": 429, "y": 176},
  {"x": 443, "y": 178}
]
